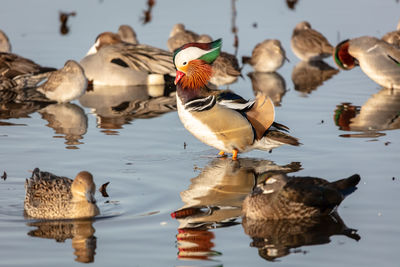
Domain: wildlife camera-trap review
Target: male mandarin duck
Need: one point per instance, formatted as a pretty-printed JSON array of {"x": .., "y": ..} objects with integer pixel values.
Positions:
[
  {"x": 379, "y": 60},
  {"x": 218, "y": 118},
  {"x": 267, "y": 56},
  {"x": 111, "y": 61},
  {"x": 308, "y": 44}
]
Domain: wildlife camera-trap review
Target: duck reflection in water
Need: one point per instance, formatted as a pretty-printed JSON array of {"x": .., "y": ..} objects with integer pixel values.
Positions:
[
  {"x": 271, "y": 84},
  {"x": 13, "y": 110},
  {"x": 214, "y": 200},
  {"x": 286, "y": 212},
  {"x": 379, "y": 113},
  {"x": 279, "y": 238},
  {"x": 115, "y": 106},
  {"x": 80, "y": 231},
  {"x": 68, "y": 121},
  {"x": 308, "y": 76}
]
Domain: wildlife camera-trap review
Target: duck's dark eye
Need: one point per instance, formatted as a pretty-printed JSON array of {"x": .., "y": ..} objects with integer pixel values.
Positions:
[{"x": 184, "y": 63}]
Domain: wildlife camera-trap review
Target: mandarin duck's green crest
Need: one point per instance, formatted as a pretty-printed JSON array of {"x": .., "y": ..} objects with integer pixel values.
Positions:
[{"x": 191, "y": 53}]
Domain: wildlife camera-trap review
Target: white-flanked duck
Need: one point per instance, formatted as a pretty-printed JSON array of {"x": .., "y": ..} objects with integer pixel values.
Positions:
[{"x": 222, "y": 119}]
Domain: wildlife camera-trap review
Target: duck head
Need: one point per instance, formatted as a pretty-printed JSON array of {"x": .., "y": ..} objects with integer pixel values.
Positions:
[
  {"x": 193, "y": 63},
  {"x": 83, "y": 187},
  {"x": 104, "y": 39},
  {"x": 272, "y": 184},
  {"x": 342, "y": 56}
]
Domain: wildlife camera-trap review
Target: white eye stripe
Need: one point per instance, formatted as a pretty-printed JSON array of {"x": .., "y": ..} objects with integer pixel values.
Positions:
[
  {"x": 189, "y": 54},
  {"x": 270, "y": 181},
  {"x": 266, "y": 192}
]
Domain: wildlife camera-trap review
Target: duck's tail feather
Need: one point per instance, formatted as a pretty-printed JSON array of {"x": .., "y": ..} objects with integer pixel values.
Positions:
[
  {"x": 282, "y": 137},
  {"x": 348, "y": 185}
]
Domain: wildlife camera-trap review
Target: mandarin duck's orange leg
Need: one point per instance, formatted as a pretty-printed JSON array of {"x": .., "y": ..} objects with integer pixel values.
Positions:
[
  {"x": 234, "y": 154},
  {"x": 222, "y": 154}
]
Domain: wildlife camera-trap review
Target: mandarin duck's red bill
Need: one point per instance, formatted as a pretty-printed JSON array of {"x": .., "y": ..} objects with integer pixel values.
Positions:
[{"x": 221, "y": 118}]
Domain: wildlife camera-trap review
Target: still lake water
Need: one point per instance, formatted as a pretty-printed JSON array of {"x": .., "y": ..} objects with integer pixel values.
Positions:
[{"x": 152, "y": 173}]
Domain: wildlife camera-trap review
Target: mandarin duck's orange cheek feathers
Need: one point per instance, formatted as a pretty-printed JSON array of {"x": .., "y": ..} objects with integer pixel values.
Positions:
[
  {"x": 189, "y": 58},
  {"x": 342, "y": 57}
]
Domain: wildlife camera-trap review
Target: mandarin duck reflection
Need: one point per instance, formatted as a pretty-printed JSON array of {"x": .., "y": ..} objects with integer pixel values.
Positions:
[
  {"x": 221, "y": 118},
  {"x": 214, "y": 198}
]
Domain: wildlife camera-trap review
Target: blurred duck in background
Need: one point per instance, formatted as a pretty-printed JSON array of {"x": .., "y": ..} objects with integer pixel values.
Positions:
[
  {"x": 111, "y": 61},
  {"x": 12, "y": 66},
  {"x": 308, "y": 44},
  {"x": 267, "y": 56},
  {"x": 379, "y": 60},
  {"x": 393, "y": 37},
  {"x": 180, "y": 36},
  {"x": 63, "y": 85},
  {"x": 5, "y": 45},
  {"x": 127, "y": 34}
]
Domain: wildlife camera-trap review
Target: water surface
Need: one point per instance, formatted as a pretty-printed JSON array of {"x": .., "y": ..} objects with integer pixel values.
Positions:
[{"x": 132, "y": 137}]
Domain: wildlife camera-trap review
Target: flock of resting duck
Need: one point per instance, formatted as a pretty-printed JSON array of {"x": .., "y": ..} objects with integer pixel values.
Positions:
[{"x": 219, "y": 118}]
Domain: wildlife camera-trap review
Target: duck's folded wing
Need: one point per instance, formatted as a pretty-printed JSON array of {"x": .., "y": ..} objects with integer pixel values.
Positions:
[
  {"x": 395, "y": 58},
  {"x": 140, "y": 57},
  {"x": 311, "y": 193},
  {"x": 227, "y": 99},
  {"x": 234, "y": 101},
  {"x": 201, "y": 104}
]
